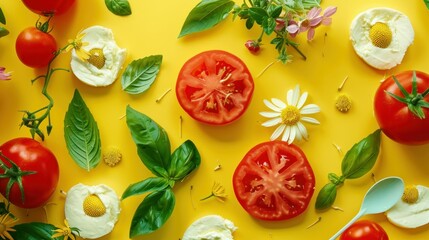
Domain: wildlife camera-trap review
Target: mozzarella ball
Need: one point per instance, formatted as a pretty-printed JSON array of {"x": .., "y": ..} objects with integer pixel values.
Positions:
[
  {"x": 94, "y": 210},
  {"x": 381, "y": 36},
  {"x": 210, "y": 227},
  {"x": 412, "y": 210},
  {"x": 105, "y": 61}
]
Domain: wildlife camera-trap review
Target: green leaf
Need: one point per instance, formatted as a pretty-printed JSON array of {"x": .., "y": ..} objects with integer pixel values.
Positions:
[
  {"x": 2, "y": 18},
  {"x": 81, "y": 134},
  {"x": 140, "y": 74},
  {"x": 118, "y": 7},
  {"x": 147, "y": 185},
  {"x": 426, "y": 3},
  {"x": 258, "y": 14},
  {"x": 326, "y": 196},
  {"x": 152, "y": 213},
  {"x": 249, "y": 23},
  {"x": 361, "y": 157},
  {"x": 184, "y": 160},
  {"x": 34, "y": 231},
  {"x": 269, "y": 24},
  {"x": 153, "y": 145},
  {"x": 335, "y": 179},
  {"x": 3, "y": 32},
  {"x": 205, "y": 15},
  {"x": 274, "y": 11}
]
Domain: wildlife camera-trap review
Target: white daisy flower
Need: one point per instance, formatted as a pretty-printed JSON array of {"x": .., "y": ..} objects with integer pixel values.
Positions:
[{"x": 290, "y": 116}]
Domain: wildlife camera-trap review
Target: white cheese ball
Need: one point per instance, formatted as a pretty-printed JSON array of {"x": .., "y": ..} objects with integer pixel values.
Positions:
[
  {"x": 94, "y": 210},
  {"x": 99, "y": 38},
  {"x": 411, "y": 215},
  {"x": 211, "y": 227},
  {"x": 381, "y": 36}
]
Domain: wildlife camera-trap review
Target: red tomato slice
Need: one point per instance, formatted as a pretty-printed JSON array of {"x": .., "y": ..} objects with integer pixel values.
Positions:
[
  {"x": 274, "y": 181},
  {"x": 214, "y": 87}
]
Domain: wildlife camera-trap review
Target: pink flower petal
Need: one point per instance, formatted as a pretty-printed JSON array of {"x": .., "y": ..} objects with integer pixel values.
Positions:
[
  {"x": 314, "y": 12},
  {"x": 329, "y": 11},
  {"x": 326, "y": 21},
  {"x": 310, "y": 34},
  {"x": 316, "y": 21},
  {"x": 292, "y": 29}
]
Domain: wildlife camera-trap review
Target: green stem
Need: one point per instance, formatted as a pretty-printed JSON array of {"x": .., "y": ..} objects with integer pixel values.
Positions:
[
  {"x": 211, "y": 195},
  {"x": 299, "y": 51},
  {"x": 30, "y": 120}
]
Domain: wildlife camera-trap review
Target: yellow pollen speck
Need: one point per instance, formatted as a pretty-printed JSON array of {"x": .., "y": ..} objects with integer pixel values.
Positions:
[
  {"x": 93, "y": 206},
  {"x": 290, "y": 115},
  {"x": 97, "y": 58},
  {"x": 343, "y": 103},
  {"x": 411, "y": 194},
  {"x": 380, "y": 35},
  {"x": 112, "y": 156}
]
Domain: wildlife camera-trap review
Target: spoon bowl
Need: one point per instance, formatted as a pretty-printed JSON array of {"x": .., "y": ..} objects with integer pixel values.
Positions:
[{"x": 379, "y": 198}]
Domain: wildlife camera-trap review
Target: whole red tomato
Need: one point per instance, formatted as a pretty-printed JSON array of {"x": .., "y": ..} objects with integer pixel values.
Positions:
[
  {"x": 401, "y": 107},
  {"x": 30, "y": 163},
  {"x": 364, "y": 230},
  {"x": 35, "y": 48},
  {"x": 214, "y": 87},
  {"x": 274, "y": 181},
  {"x": 46, "y": 7}
]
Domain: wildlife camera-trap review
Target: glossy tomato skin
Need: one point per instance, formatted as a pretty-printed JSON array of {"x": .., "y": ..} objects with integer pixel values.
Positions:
[
  {"x": 46, "y": 7},
  {"x": 394, "y": 117},
  {"x": 214, "y": 87},
  {"x": 274, "y": 181},
  {"x": 35, "y": 48},
  {"x": 30, "y": 155},
  {"x": 364, "y": 230}
]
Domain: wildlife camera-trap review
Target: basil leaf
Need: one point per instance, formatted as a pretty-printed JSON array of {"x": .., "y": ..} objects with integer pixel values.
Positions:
[
  {"x": 81, "y": 134},
  {"x": 426, "y": 3},
  {"x": 140, "y": 74},
  {"x": 2, "y": 18},
  {"x": 326, "y": 196},
  {"x": 184, "y": 160},
  {"x": 153, "y": 145},
  {"x": 206, "y": 15},
  {"x": 333, "y": 178},
  {"x": 152, "y": 213},
  {"x": 118, "y": 7},
  {"x": 34, "y": 231},
  {"x": 147, "y": 185},
  {"x": 361, "y": 157}
]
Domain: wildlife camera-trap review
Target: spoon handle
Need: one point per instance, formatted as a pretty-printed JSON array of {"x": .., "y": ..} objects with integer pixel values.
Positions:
[{"x": 360, "y": 214}]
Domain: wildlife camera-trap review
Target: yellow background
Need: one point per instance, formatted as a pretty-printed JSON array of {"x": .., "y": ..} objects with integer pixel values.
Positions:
[{"x": 153, "y": 28}]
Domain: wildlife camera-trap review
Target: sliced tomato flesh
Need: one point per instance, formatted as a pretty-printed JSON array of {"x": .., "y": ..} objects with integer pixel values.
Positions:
[
  {"x": 274, "y": 181},
  {"x": 214, "y": 87}
]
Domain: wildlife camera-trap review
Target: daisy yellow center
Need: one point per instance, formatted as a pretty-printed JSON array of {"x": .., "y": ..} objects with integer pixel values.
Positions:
[
  {"x": 380, "y": 35},
  {"x": 112, "y": 156},
  {"x": 96, "y": 57},
  {"x": 290, "y": 115},
  {"x": 411, "y": 194},
  {"x": 343, "y": 103},
  {"x": 93, "y": 206}
]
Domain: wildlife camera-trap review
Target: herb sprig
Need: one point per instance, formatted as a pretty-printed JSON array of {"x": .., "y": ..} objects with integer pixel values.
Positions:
[
  {"x": 356, "y": 163},
  {"x": 3, "y": 30},
  {"x": 153, "y": 148},
  {"x": 283, "y": 18}
]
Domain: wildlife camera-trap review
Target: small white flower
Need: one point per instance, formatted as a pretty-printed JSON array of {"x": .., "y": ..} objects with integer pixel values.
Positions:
[{"x": 289, "y": 115}]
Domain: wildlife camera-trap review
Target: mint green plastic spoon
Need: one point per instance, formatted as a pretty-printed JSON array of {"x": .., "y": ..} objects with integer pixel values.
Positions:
[{"x": 379, "y": 198}]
